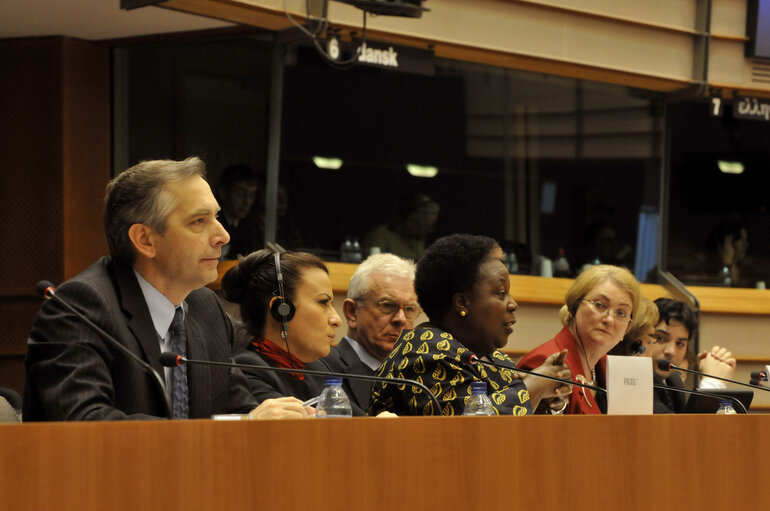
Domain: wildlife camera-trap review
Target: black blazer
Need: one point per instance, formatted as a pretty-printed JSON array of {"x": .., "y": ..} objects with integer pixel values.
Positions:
[
  {"x": 344, "y": 359},
  {"x": 667, "y": 401},
  {"x": 72, "y": 374},
  {"x": 268, "y": 385}
]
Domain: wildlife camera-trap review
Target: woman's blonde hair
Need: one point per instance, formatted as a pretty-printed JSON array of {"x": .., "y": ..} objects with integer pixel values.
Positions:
[
  {"x": 591, "y": 278},
  {"x": 647, "y": 316}
]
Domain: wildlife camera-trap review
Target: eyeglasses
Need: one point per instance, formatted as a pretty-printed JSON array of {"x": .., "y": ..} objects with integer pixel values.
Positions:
[
  {"x": 390, "y": 308},
  {"x": 620, "y": 315}
]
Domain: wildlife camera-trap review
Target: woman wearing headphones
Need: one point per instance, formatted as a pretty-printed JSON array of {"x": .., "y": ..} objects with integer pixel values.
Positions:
[
  {"x": 599, "y": 309},
  {"x": 286, "y": 303}
]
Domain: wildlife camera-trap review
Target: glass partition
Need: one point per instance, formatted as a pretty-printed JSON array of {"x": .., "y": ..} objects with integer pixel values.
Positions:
[{"x": 550, "y": 166}]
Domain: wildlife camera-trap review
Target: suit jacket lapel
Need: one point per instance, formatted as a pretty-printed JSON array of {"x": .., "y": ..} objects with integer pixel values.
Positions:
[
  {"x": 361, "y": 389},
  {"x": 138, "y": 315}
]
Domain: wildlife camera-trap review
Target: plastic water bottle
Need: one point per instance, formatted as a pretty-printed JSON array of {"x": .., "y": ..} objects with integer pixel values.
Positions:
[
  {"x": 356, "y": 253},
  {"x": 479, "y": 403},
  {"x": 725, "y": 276},
  {"x": 511, "y": 262},
  {"x": 346, "y": 251},
  {"x": 726, "y": 408},
  {"x": 561, "y": 265},
  {"x": 333, "y": 401}
]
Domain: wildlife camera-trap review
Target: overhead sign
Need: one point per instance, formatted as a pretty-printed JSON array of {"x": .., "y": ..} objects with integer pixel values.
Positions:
[
  {"x": 751, "y": 107},
  {"x": 385, "y": 56}
]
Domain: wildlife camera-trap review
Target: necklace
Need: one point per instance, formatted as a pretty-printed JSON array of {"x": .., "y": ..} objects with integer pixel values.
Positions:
[{"x": 585, "y": 357}]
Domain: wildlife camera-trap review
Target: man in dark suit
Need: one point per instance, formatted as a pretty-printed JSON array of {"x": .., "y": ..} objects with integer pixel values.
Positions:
[
  {"x": 381, "y": 302},
  {"x": 165, "y": 241}
]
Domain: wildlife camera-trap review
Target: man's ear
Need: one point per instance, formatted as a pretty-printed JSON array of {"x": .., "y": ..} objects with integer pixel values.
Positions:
[
  {"x": 143, "y": 239},
  {"x": 349, "y": 308}
]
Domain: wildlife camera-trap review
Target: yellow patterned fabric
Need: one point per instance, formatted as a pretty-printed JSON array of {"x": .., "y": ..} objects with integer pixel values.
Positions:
[{"x": 441, "y": 363}]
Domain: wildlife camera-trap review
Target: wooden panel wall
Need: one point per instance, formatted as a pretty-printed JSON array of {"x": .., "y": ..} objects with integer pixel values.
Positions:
[{"x": 54, "y": 163}]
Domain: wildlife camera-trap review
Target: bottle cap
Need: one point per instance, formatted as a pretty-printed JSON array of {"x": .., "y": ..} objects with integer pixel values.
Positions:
[
  {"x": 479, "y": 387},
  {"x": 333, "y": 380}
]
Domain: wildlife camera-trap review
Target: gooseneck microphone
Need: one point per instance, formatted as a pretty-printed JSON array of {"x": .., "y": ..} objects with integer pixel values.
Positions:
[
  {"x": 169, "y": 359},
  {"x": 47, "y": 290},
  {"x": 475, "y": 359},
  {"x": 666, "y": 365}
]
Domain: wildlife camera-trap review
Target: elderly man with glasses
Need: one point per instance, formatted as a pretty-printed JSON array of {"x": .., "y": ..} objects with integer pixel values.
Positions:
[{"x": 381, "y": 302}]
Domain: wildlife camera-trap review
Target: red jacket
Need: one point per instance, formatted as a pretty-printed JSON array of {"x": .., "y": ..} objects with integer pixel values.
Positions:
[{"x": 581, "y": 400}]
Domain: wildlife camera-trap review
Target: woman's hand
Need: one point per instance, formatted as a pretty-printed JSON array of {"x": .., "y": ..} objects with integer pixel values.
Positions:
[
  {"x": 541, "y": 388},
  {"x": 282, "y": 408}
]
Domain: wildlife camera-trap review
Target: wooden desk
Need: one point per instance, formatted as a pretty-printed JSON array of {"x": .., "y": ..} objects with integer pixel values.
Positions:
[{"x": 434, "y": 463}]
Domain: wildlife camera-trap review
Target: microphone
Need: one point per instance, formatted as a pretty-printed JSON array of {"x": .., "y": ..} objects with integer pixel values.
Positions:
[
  {"x": 475, "y": 359},
  {"x": 757, "y": 377},
  {"x": 699, "y": 393},
  {"x": 170, "y": 359},
  {"x": 48, "y": 291},
  {"x": 665, "y": 365}
]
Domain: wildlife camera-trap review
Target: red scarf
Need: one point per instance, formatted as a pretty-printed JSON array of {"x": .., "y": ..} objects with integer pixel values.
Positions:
[{"x": 278, "y": 356}]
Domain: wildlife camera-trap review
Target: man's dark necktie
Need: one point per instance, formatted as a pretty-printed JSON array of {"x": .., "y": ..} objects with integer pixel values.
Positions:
[{"x": 180, "y": 408}]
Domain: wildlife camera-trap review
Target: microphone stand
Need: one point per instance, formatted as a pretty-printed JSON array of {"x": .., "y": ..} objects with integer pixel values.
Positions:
[{"x": 667, "y": 366}]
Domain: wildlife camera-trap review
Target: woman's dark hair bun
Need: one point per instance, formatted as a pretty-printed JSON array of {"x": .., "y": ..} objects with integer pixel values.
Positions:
[{"x": 238, "y": 279}]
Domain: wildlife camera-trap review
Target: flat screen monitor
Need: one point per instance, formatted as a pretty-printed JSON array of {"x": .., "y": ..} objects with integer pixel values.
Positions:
[
  {"x": 710, "y": 404},
  {"x": 758, "y": 29}
]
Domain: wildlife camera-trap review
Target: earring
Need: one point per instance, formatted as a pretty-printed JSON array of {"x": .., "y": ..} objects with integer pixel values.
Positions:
[{"x": 463, "y": 313}]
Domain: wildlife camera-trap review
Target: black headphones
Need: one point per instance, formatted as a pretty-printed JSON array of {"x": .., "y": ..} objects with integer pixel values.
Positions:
[{"x": 281, "y": 309}]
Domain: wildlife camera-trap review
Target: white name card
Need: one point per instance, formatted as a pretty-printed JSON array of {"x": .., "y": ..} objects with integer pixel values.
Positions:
[{"x": 629, "y": 385}]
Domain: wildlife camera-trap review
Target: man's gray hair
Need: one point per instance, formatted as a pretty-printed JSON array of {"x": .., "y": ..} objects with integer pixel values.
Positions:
[
  {"x": 138, "y": 196},
  {"x": 390, "y": 264}
]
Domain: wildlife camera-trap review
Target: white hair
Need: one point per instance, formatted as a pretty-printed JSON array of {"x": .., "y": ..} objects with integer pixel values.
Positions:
[{"x": 390, "y": 264}]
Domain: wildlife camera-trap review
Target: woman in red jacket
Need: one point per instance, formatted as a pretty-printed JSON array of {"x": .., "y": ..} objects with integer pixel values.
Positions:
[{"x": 599, "y": 309}]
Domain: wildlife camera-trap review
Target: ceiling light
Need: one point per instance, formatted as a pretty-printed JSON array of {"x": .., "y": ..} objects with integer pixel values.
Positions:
[
  {"x": 730, "y": 167},
  {"x": 421, "y": 170},
  {"x": 327, "y": 163}
]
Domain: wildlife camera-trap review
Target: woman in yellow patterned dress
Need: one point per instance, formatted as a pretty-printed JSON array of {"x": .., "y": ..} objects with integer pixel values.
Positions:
[{"x": 463, "y": 287}]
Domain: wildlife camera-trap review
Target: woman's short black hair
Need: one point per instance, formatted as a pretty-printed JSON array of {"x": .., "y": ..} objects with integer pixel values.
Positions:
[
  {"x": 450, "y": 265},
  {"x": 252, "y": 283}
]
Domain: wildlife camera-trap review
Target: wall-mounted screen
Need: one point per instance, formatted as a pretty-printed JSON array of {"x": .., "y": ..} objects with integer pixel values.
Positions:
[{"x": 758, "y": 29}]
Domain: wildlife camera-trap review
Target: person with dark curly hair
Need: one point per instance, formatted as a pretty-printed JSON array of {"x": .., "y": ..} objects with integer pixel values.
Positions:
[
  {"x": 267, "y": 338},
  {"x": 464, "y": 288},
  {"x": 677, "y": 325}
]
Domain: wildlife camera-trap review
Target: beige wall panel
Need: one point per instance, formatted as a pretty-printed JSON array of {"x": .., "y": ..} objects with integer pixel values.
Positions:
[
  {"x": 535, "y": 31},
  {"x": 728, "y": 17},
  {"x": 677, "y": 13},
  {"x": 535, "y": 324},
  {"x": 727, "y": 63},
  {"x": 628, "y": 48},
  {"x": 747, "y": 336}
]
